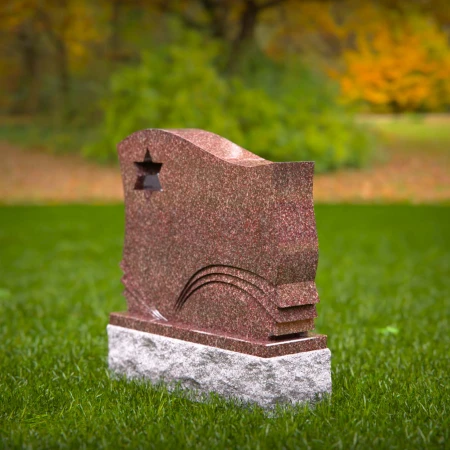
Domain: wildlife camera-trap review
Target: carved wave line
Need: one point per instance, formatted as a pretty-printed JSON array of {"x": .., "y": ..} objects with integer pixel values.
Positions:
[
  {"x": 207, "y": 280},
  {"x": 241, "y": 272},
  {"x": 240, "y": 275},
  {"x": 216, "y": 282}
]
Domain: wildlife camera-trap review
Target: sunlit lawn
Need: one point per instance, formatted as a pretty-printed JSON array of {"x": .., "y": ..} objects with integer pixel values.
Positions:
[
  {"x": 418, "y": 133},
  {"x": 383, "y": 282}
]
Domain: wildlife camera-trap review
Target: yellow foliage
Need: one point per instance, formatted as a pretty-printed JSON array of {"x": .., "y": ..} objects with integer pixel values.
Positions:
[
  {"x": 72, "y": 22},
  {"x": 393, "y": 58},
  {"x": 399, "y": 64}
]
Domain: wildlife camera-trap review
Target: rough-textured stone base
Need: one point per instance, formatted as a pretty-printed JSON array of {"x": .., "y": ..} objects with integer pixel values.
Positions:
[{"x": 298, "y": 378}]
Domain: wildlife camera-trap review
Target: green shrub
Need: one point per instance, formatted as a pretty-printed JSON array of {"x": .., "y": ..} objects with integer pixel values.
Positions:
[{"x": 288, "y": 116}]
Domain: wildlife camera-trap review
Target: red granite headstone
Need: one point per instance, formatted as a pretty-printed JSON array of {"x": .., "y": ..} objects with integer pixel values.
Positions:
[{"x": 220, "y": 245}]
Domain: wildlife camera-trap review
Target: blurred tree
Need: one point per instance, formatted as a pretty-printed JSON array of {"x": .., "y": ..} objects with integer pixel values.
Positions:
[
  {"x": 20, "y": 37},
  {"x": 389, "y": 54},
  {"x": 306, "y": 27},
  {"x": 114, "y": 37},
  {"x": 28, "y": 46},
  {"x": 233, "y": 22},
  {"x": 399, "y": 62},
  {"x": 299, "y": 119},
  {"x": 70, "y": 28},
  {"x": 65, "y": 28},
  {"x": 438, "y": 10},
  {"x": 118, "y": 15},
  {"x": 329, "y": 27},
  {"x": 56, "y": 51}
]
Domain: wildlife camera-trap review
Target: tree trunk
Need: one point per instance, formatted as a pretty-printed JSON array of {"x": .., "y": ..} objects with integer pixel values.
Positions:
[
  {"x": 64, "y": 77},
  {"x": 114, "y": 40},
  {"x": 29, "y": 55},
  {"x": 62, "y": 63},
  {"x": 218, "y": 13},
  {"x": 245, "y": 35}
]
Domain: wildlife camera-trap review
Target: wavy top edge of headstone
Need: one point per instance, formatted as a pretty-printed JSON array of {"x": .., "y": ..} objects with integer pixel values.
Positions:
[{"x": 213, "y": 144}]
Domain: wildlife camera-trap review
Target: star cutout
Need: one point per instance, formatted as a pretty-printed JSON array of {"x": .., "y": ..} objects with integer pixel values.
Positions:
[{"x": 148, "y": 174}]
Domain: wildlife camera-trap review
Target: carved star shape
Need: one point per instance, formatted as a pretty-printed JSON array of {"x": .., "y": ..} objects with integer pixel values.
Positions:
[{"x": 148, "y": 174}]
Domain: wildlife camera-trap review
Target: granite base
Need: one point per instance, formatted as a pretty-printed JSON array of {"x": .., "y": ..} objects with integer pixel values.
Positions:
[{"x": 295, "y": 378}]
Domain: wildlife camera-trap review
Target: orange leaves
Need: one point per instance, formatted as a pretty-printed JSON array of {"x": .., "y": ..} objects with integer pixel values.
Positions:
[
  {"x": 389, "y": 55},
  {"x": 400, "y": 63}
]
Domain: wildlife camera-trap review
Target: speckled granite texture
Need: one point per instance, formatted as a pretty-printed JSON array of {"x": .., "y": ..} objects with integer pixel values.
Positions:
[
  {"x": 299, "y": 378},
  {"x": 220, "y": 245}
]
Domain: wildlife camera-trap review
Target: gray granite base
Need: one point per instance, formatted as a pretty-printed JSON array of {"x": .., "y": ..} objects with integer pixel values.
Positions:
[{"x": 298, "y": 378}]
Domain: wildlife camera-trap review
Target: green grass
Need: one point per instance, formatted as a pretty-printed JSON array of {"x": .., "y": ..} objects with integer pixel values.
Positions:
[
  {"x": 383, "y": 282},
  {"x": 415, "y": 132},
  {"x": 46, "y": 135}
]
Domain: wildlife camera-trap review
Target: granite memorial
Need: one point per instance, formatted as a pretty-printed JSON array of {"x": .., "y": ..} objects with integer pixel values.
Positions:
[{"x": 219, "y": 263}]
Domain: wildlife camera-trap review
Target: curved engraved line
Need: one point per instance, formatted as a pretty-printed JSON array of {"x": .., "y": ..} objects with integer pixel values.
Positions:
[
  {"x": 186, "y": 287},
  {"x": 182, "y": 298},
  {"x": 217, "y": 282},
  {"x": 191, "y": 279}
]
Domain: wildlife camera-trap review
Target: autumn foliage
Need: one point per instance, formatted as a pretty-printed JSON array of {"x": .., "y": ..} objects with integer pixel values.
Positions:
[
  {"x": 280, "y": 77},
  {"x": 387, "y": 55},
  {"x": 397, "y": 64}
]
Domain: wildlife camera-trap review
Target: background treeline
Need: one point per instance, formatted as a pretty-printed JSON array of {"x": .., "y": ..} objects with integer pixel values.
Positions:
[{"x": 279, "y": 77}]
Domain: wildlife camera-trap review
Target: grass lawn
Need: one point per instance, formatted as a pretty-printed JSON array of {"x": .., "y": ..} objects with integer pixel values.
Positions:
[
  {"x": 383, "y": 281},
  {"x": 45, "y": 135},
  {"x": 420, "y": 132}
]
